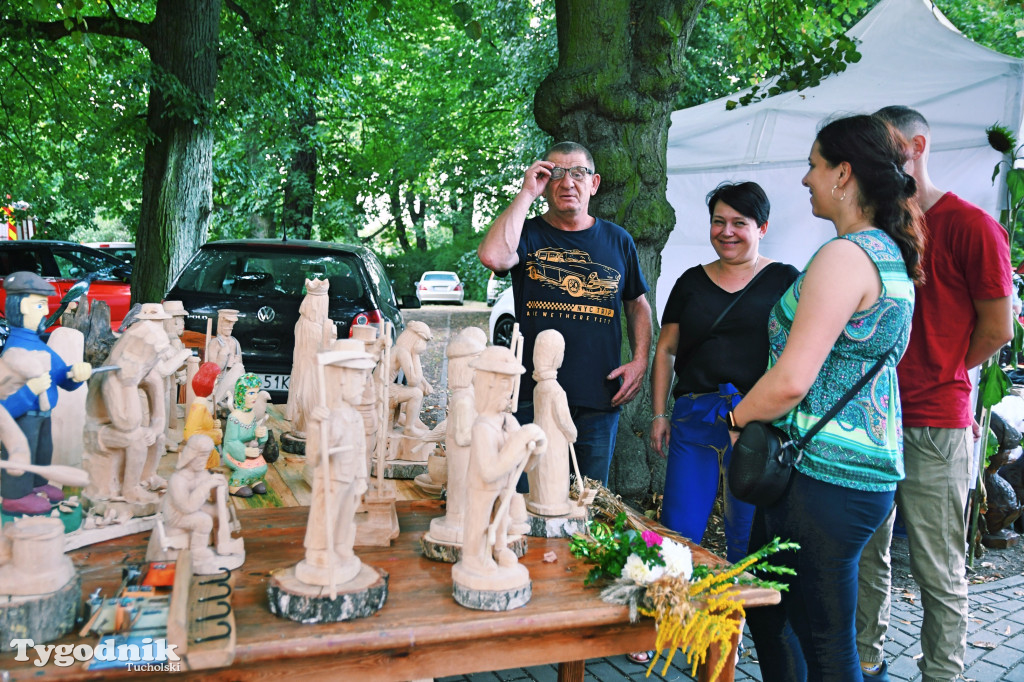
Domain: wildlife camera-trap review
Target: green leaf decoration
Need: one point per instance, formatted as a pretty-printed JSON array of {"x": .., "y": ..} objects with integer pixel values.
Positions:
[
  {"x": 1015, "y": 185},
  {"x": 994, "y": 385}
]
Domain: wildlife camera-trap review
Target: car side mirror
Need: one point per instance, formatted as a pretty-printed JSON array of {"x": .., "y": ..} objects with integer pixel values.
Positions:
[{"x": 410, "y": 302}]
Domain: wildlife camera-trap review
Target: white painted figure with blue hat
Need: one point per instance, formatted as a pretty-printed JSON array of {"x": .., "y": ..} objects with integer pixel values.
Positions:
[{"x": 27, "y": 309}]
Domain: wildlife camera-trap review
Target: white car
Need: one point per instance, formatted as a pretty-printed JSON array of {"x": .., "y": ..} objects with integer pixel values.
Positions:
[
  {"x": 440, "y": 286},
  {"x": 503, "y": 319},
  {"x": 496, "y": 285}
]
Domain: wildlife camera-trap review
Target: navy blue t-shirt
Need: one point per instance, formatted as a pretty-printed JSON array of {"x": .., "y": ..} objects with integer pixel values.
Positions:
[{"x": 575, "y": 282}]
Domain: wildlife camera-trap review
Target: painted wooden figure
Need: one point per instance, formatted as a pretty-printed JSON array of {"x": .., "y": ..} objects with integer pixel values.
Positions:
[
  {"x": 200, "y": 418},
  {"x": 244, "y": 434}
]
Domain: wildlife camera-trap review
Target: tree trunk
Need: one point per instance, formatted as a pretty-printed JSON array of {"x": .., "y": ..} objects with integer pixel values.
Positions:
[
  {"x": 462, "y": 215},
  {"x": 300, "y": 188},
  {"x": 397, "y": 218},
  {"x": 417, "y": 209},
  {"x": 620, "y": 64},
  {"x": 178, "y": 167}
]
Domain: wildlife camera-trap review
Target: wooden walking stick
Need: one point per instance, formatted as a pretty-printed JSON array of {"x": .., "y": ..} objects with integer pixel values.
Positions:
[
  {"x": 325, "y": 469},
  {"x": 506, "y": 500},
  {"x": 576, "y": 468},
  {"x": 517, "y": 349}
]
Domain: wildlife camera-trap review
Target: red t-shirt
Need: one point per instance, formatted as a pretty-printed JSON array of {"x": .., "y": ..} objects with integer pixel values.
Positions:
[{"x": 966, "y": 258}]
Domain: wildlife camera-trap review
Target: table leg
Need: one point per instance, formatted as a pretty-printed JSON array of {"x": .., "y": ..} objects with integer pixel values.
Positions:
[
  {"x": 715, "y": 654},
  {"x": 571, "y": 671}
]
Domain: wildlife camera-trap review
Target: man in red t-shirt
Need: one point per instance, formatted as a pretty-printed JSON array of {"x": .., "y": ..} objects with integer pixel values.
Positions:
[{"x": 962, "y": 316}]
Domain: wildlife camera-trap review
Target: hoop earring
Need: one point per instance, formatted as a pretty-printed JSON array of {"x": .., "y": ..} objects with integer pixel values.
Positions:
[{"x": 833, "y": 193}]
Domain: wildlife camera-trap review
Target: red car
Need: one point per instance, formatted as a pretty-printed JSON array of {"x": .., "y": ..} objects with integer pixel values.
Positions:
[{"x": 64, "y": 263}]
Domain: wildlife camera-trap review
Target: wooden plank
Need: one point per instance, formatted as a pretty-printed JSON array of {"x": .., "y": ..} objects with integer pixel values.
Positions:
[{"x": 289, "y": 467}]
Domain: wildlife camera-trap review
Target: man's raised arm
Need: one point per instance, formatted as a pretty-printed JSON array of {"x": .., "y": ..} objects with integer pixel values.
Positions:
[{"x": 498, "y": 248}]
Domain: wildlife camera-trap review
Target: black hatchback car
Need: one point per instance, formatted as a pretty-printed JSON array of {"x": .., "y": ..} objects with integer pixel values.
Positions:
[{"x": 265, "y": 281}]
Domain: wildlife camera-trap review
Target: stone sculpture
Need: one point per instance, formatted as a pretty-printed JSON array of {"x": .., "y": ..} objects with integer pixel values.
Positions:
[
  {"x": 331, "y": 583},
  {"x": 488, "y": 575},
  {"x": 195, "y": 506},
  {"x": 244, "y": 434}
]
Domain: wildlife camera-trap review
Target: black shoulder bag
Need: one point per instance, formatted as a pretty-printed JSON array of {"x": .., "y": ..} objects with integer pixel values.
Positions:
[{"x": 764, "y": 456}]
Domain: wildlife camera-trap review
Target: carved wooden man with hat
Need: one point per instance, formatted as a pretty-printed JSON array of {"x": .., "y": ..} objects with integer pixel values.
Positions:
[{"x": 26, "y": 309}]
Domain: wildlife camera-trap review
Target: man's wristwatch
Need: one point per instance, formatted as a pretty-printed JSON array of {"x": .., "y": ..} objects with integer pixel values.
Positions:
[{"x": 730, "y": 422}]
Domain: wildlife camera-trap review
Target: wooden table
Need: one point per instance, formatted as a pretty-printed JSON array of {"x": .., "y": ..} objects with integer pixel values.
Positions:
[{"x": 421, "y": 632}]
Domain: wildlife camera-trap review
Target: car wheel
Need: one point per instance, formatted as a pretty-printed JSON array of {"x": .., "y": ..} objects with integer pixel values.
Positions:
[
  {"x": 503, "y": 331},
  {"x": 574, "y": 286}
]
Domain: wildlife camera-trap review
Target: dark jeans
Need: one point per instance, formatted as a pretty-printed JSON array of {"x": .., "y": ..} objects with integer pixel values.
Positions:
[
  {"x": 811, "y": 635},
  {"x": 596, "y": 431},
  {"x": 36, "y": 428}
]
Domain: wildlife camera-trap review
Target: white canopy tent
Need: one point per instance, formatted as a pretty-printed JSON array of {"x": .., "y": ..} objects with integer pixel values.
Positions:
[{"x": 911, "y": 55}]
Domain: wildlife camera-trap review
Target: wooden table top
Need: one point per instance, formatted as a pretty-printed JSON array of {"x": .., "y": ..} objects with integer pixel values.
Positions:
[{"x": 420, "y": 632}]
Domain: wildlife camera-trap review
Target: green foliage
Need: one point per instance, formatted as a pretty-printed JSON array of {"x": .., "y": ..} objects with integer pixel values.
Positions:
[
  {"x": 405, "y": 268},
  {"x": 608, "y": 548},
  {"x": 994, "y": 385}
]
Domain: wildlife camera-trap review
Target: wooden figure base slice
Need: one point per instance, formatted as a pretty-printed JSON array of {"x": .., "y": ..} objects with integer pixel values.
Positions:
[
  {"x": 451, "y": 552},
  {"x": 401, "y": 469},
  {"x": 293, "y": 444},
  {"x": 362, "y": 596},
  {"x": 42, "y": 618},
  {"x": 559, "y": 526},
  {"x": 1004, "y": 539},
  {"x": 493, "y": 600}
]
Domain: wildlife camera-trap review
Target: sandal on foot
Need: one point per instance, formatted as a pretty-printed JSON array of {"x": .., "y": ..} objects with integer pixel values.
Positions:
[{"x": 641, "y": 657}]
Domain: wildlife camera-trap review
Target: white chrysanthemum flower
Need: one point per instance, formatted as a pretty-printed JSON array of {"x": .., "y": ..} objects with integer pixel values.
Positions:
[
  {"x": 637, "y": 571},
  {"x": 678, "y": 560}
]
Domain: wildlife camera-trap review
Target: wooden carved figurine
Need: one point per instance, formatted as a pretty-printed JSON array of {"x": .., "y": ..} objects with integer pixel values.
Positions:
[
  {"x": 26, "y": 310},
  {"x": 196, "y": 504},
  {"x": 175, "y": 327},
  {"x": 409, "y": 396},
  {"x": 331, "y": 583},
  {"x": 461, "y": 351},
  {"x": 244, "y": 433},
  {"x": 488, "y": 576},
  {"x": 200, "y": 418},
  {"x": 125, "y": 418},
  {"x": 313, "y": 332},
  {"x": 225, "y": 350},
  {"x": 549, "y": 480}
]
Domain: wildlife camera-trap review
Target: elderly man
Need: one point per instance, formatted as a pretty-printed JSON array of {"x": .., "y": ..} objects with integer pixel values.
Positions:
[{"x": 573, "y": 273}]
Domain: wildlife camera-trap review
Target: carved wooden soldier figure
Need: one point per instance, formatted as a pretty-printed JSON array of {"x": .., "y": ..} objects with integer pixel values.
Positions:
[
  {"x": 225, "y": 350},
  {"x": 488, "y": 576},
  {"x": 195, "y": 504},
  {"x": 314, "y": 332},
  {"x": 340, "y": 471},
  {"x": 549, "y": 480}
]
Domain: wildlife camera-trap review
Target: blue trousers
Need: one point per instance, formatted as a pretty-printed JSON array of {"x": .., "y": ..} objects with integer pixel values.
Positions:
[
  {"x": 596, "y": 431},
  {"x": 699, "y": 451},
  {"x": 811, "y": 635}
]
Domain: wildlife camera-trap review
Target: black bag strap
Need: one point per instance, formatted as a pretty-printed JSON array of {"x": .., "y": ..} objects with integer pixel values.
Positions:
[
  {"x": 841, "y": 403},
  {"x": 725, "y": 311}
]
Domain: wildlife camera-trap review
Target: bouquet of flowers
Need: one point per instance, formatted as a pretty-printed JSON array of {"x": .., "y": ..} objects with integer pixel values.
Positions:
[{"x": 693, "y": 606}]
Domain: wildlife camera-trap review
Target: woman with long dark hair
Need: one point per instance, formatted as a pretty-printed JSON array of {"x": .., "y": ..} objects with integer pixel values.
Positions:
[{"x": 851, "y": 306}]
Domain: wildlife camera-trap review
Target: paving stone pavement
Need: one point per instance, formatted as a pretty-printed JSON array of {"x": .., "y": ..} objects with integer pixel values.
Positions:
[{"x": 995, "y": 645}]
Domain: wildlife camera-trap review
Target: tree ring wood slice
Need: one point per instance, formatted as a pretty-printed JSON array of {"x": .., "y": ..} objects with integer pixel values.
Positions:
[{"x": 362, "y": 596}]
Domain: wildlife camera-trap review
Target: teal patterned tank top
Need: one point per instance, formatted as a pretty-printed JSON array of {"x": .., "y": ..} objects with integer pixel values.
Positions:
[{"x": 862, "y": 447}]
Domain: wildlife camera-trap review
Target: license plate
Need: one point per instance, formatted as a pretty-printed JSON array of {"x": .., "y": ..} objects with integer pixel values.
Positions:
[
  {"x": 441, "y": 288},
  {"x": 275, "y": 382}
]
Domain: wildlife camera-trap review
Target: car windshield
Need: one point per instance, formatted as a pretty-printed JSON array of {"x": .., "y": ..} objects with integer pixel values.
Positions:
[
  {"x": 257, "y": 273},
  {"x": 440, "y": 277},
  {"x": 76, "y": 263}
]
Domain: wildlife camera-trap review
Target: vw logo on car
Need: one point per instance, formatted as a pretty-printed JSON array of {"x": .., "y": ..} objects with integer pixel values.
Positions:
[{"x": 266, "y": 314}]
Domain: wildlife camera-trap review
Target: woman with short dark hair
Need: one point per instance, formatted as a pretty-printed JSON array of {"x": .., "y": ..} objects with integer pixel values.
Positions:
[{"x": 715, "y": 360}]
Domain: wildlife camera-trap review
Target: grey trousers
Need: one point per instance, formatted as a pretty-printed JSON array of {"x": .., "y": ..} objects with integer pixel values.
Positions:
[{"x": 931, "y": 499}]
